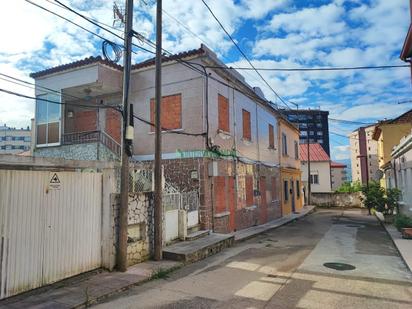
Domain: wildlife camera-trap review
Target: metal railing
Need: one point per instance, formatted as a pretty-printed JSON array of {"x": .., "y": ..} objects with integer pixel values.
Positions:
[{"x": 90, "y": 137}]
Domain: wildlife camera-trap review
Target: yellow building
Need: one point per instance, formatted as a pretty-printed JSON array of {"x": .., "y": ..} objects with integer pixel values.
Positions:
[
  {"x": 290, "y": 174},
  {"x": 388, "y": 133}
]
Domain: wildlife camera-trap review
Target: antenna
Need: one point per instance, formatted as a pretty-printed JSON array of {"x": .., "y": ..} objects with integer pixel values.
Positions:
[{"x": 118, "y": 15}]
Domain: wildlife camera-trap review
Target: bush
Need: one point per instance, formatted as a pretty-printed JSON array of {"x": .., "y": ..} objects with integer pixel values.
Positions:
[
  {"x": 348, "y": 187},
  {"x": 402, "y": 221},
  {"x": 392, "y": 200},
  {"x": 374, "y": 197}
]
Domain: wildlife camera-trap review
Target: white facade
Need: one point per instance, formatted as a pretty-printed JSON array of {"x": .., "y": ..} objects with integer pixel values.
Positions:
[
  {"x": 320, "y": 172},
  {"x": 400, "y": 175}
]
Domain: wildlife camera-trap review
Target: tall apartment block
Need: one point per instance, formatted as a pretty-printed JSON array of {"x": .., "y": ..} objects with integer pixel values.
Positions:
[
  {"x": 364, "y": 155},
  {"x": 313, "y": 123}
]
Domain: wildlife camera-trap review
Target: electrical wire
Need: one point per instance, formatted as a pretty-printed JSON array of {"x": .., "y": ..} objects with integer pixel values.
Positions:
[
  {"x": 350, "y": 121},
  {"x": 117, "y": 50},
  {"x": 244, "y": 55},
  {"x": 379, "y": 67}
]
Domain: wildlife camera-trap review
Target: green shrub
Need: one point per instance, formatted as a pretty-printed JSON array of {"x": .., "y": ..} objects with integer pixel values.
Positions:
[
  {"x": 402, "y": 221},
  {"x": 348, "y": 187},
  {"x": 374, "y": 197},
  {"x": 392, "y": 200}
]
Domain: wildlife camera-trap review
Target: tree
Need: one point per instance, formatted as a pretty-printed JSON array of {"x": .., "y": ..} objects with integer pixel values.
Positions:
[
  {"x": 393, "y": 196},
  {"x": 374, "y": 197},
  {"x": 348, "y": 187}
]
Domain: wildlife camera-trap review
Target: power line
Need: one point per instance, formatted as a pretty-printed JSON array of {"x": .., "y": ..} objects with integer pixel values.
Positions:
[
  {"x": 379, "y": 67},
  {"x": 350, "y": 121},
  {"x": 168, "y": 131},
  {"x": 243, "y": 54}
]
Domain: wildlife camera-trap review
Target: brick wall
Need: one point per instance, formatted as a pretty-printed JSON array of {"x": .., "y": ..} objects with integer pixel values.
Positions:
[
  {"x": 171, "y": 117},
  {"x": 247, "y": 134},
  {"x": 85, "y": 121},
  {"x": 113, "y": 124},
  {"x": 223, "y": 113}
]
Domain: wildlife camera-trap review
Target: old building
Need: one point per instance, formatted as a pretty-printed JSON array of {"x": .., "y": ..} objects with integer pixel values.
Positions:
[
  {"x": 364, "y": 155},
  {"x": 320, "y": 171},
  {"x": 338, "y": 174},
  {"x": 220, "y": 143},
  {"x": 313, "y": 123},
  {"x": 290, "y": 174},
  {"x": 387, "y": 134},
  {"x": 13, "y": 140}
]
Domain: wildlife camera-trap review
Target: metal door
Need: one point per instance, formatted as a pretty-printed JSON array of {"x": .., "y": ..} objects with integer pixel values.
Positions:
[
  {"x": 171, "y": 205},
  {"x": 49, "y": 227},
  {"x": 190, "y": 203}
]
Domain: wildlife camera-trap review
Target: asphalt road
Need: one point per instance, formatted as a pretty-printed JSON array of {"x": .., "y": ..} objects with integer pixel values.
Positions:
[{"x": 284, "y": 269}]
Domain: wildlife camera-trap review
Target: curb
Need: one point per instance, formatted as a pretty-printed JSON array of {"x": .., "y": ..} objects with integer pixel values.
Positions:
[
  {"x": 394, "y": 243},
  {"x": 274, "y": 227}
]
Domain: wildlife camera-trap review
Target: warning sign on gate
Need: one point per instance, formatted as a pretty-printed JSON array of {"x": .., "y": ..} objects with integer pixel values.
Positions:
[{"x": 54, "y": 182}]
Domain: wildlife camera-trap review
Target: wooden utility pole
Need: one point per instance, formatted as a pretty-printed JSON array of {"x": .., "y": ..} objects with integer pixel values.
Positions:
[
  {"x": 127, "y": 140},
  {"x": 308, "y": 149},
  {"x": 158, "y": 207}
]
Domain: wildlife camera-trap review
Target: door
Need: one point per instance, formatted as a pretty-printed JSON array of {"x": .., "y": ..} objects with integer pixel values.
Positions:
[
  {"x": 49, "y": 227},
  {"x": 171, "y": 206},
  {"x": 292, "y": 195},
  {"x": 263, "y": 201},
  {"x": 190, "y": 202}
]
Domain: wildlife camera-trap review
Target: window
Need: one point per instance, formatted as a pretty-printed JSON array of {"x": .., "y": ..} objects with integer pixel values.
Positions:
[
  {"x": 271, "y": 137},
  {"x": 296, "y": 150},
  {"x": 320, "y": 141},
  {"x": 303, "y": 126},
  {"x": 303, "y": 133},
  {"x": 223, "y": 113},
  {"x": 311, "y": 133},
  {"x": 298, "y": 188},
  {"x": 171, "y": 118},
  {"x": 247, "y": 134},
  {"x": 48, "y": 117},
  {"x": 27, "y": 139},
  {"x": 314, "y": 179},
  {"x": 284, "y": 145},
  {"x": 285, "y": 190},
  {"x": 319, "y": 133},
  {"x": 319, "y": 125}
]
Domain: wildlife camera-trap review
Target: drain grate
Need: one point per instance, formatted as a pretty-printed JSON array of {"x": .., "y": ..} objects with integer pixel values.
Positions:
[{"x": 339, "y": 266}]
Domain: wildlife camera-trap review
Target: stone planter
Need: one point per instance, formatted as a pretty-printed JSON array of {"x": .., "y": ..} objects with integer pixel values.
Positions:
[{"x": 407, "y": 232}]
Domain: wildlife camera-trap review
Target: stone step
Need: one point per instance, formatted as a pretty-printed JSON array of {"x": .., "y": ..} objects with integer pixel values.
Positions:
[
  {"x": 192, "y": 251},
  {"x": 193, "y": 229},
  {"x": 197, "y": 235}
]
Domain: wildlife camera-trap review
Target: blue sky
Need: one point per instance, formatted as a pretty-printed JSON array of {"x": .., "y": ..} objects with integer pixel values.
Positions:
[{"x": 282, "y": 33}]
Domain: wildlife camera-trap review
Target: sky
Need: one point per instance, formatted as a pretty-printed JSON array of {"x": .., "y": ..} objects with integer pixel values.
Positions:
[{"x": 272, "y": 33}]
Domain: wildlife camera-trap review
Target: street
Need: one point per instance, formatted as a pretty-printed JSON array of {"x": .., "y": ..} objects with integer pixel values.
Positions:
[{"x": 284, "y": 268}]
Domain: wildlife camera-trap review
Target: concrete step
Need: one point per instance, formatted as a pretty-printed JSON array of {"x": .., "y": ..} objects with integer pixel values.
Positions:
[
  {"x": 197, "y": 235},
  {"x": 193, "y": 229},
  {"x": 192, "y": 251}
]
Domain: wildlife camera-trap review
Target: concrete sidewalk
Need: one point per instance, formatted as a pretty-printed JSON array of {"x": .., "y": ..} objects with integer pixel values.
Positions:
[
  {"x": 86, "y": 289},
  {"x": 256, "y": 230},
  {"x": 404, "y": 246}
]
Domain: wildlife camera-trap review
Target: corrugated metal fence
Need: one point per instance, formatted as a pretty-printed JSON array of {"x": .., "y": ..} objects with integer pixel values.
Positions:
[{"x": 50, "y": 227}]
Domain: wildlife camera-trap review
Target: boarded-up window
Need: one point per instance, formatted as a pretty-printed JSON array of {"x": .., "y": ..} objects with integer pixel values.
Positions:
[
  {"x": 220, "y": 193},
  {"x": 247, "y": 134},
  {"x": 271, "y": 137},
  {"x": 284, "y": 145},
  {"x": 113, "y": 124},
  {"x": 223, "y": 109},
  {"x": 249, "y": 190},
  {"x": 171, "y": 113},
  {"x": 296, "y": 150}
]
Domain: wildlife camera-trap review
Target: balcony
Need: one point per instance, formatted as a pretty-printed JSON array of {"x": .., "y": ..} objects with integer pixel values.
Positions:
[{"x": 92, "y": 137}]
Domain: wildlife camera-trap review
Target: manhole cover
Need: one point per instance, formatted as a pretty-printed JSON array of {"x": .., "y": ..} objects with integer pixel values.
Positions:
[{"x": 339, "y": 266}]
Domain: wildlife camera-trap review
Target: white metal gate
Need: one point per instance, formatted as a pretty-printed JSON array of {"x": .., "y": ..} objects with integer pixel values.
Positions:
[{"x": 50, "y": 227}]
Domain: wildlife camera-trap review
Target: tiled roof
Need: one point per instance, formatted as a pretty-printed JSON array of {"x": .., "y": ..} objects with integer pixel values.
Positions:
[
  {"x": 337, "y": 165},
  {"x": 99, "y": 59},
  {"x": 404, "y": 118},
  {"x": 76, "y": 64},
  {"x": 316, "y": 152}
]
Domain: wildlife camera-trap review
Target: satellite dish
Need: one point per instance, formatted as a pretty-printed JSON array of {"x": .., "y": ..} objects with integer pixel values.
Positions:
[{"x": 378, "y": 174}]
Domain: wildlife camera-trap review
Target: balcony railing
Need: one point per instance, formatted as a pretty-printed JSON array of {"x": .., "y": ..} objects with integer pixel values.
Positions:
[{"x": 91, "y": 137}]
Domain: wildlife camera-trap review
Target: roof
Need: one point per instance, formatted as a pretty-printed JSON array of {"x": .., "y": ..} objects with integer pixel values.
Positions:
[
  {"x": 337, "y": 165},
  {"x": 316, "y": 153},
  {"x": 406, "y": 51},
  {"x": 76, "y": 64},
  {"x": 404, "y": 118},
  {"x": 99, "y": 59}
]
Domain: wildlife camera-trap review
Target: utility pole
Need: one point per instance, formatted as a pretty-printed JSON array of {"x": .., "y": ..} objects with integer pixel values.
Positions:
[
  {"x": 158, "y": 207},
  {"x": 307, "y": 144},
  {"x": 127, "y": 140}
]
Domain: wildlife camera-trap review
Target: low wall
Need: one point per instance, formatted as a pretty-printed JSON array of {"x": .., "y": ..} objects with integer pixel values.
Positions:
[{"x": 337, "y": 199}]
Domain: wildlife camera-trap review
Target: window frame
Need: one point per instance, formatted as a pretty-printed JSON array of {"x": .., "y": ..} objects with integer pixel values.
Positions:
[
  {"x": 219, "y": 115},
  {"x": 152, "y": 115},
  {"x": 296, "y": 145},
  {"x": 249, "y": 124},
  {"x": 286, "y": 190},
  {"x": 271, "y": 136},
  {"x": 47, "y": 126},
  {"x": 284, "y": 144}
]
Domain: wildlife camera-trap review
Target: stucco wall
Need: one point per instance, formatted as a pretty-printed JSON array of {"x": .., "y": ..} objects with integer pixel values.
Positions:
[
  {"x": 345, "y": 200},
  {"x": 323, "y": 170}
]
